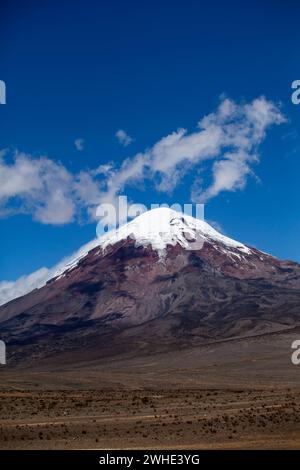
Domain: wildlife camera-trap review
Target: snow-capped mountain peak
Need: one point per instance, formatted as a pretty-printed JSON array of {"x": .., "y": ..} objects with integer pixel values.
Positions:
[
  {"x": 109, "y": 286},
  {"x": 163, "y": 226},
  {"x": 159, "y": 228}
]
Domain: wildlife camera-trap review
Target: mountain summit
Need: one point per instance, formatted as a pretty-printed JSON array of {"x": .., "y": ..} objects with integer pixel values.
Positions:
[
  {"x": 162, "y": 227},
  {"x": 159, "y": 229},
  {"x": 165, "y": 280}
]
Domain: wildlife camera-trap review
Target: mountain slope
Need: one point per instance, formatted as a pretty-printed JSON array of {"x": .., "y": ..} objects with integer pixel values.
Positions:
[{"x": 145, "y": 287}]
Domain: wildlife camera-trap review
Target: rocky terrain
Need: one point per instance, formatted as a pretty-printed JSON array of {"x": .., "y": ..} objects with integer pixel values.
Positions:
[
  {"x": 142, "y": 291},
  {"x": 193, "y": 419}
]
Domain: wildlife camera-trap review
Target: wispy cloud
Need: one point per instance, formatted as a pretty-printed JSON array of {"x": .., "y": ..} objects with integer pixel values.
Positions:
[
  {"x": 123, "y": 138},
  {"x": 79, "y": 144},
  {"x": 45, "y": 189},
  {"x": 227, "y": 140},
  {"x": 11, "y": 289},
  {"x": 40, "y": 187}
]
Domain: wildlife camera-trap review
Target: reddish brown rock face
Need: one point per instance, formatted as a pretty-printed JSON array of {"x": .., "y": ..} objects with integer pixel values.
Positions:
[{"x": 128, "y": 298}]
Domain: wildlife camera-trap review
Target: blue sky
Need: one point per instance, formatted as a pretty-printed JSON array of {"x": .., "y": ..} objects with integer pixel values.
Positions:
[{"x": 89, "y": 69}]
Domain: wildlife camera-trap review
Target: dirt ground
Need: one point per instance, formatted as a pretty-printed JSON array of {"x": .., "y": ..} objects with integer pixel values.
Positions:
[
  {"x": 234, "y": 394},
  {"x": 160, "y": 419}
]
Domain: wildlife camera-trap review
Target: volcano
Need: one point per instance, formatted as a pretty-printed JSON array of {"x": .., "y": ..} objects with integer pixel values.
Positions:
[{"x": 165, "y": 281}]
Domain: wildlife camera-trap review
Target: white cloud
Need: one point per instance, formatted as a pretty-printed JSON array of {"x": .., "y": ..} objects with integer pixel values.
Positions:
[
  {"x": 38, "y": 186},
  {"x": 123, "y": 138},
  {"x": 12, "y": 289},
  {"x": 45, "y": 189},
  {"x": 227, "y": 140},
  {"x": 79, "y": 144},
  {"x": 229, "y": 137},
  {"x": 229, "y": 174}
]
